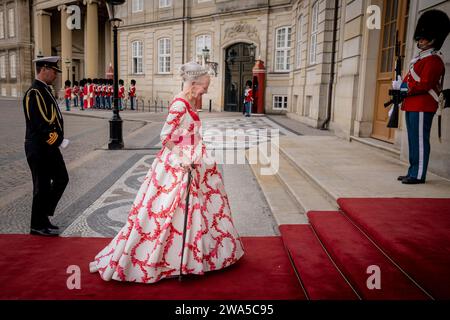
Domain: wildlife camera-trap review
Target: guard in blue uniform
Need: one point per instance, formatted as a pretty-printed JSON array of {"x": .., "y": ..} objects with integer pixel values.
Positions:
[{"x": 43, "y": 139}]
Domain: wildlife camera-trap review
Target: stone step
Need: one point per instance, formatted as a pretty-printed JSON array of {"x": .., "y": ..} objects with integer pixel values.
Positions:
[
  {"x": 371, "y": 143},
  {"x": 284, "y": 208},
  {"x": 340, "y": 169},
  {"x": 324, "y": 192},
  {"x": 307, "y": 195}
]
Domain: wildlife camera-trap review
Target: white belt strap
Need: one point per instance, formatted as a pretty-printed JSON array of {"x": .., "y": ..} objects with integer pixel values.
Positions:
[{"x": 434, "y": 95}]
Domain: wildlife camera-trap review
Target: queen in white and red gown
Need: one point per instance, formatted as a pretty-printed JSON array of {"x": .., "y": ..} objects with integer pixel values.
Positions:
[{"x": 148, "y": 248}]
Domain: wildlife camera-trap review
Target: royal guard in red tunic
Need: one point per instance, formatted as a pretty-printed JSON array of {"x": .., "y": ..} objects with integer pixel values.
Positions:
[
  {"x": 121, "y": 93},
  {"x": 132, "y": 94},
  {"x": 85, "y": 94},
  {"x": 109, "y": 93},
  {"x": 75, "y": 93},
  {"x": 248, "y": 98},
  {"x": 67, "y": 94},
  {"x": 91, "y": 92},
  {"x": 96, "y": 94},
  {"x": 81, "y": 94},
  {"x": 424, "y": 83},
  {"x": 103, "y": 93}
]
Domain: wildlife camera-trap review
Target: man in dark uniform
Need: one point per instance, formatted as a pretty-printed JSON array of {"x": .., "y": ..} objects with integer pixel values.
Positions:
[{"x": 43, "y": 140}]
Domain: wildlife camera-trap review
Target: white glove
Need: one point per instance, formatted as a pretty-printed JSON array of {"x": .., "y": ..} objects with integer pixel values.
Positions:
[
  {"x": 390, "y": 111},
  {"x": 396, "y": 84},
  {"x": 64, "y": 143}
]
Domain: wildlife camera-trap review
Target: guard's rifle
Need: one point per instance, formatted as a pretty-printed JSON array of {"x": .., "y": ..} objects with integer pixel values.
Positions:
[{"x": 397, "y": 95}]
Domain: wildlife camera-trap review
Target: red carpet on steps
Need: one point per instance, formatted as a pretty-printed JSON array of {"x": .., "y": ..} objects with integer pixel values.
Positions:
[
  {"x": 353, "y": 253},
  {"x": 319, "y": 276},
  {"x": 415, "y": 233},
  {"x": 35, "y": 268}
]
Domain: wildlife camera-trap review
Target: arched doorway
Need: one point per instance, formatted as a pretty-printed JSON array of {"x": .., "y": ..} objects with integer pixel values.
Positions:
[{"x": 238, "y": 69}]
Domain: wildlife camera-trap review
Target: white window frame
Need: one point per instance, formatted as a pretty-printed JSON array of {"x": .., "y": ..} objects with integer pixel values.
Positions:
[
  {"x": 3, "y": 66},
  {"x": 165, "y": 3},
  {"x": 11, "y": 23},
  {"x": 279, "y": 102},
  {"x": 137, "y": 6},
  {"x": 283, "y": 50},
  {"x": 201, "y": 41},
  {"x": 2, "y": 24},
  {"x": 13, "y": 65},
  {"x": 164, "y": 55},
  {"x": 298, "y": 54},
  {"x": 137, "y": 53},
  {"x": 314, "y": 32}
]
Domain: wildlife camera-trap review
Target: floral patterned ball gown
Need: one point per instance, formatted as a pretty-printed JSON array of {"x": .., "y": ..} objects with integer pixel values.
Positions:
[{"x": 148, "y": 248}]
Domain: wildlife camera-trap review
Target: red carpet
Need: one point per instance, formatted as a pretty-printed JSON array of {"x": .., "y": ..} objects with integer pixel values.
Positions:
[
  {"x": 353, "y": 253},
  {"x": 320, "y": 278},
  {"x": 415, "y": 233},
  {"x": 35, "y": 268}
]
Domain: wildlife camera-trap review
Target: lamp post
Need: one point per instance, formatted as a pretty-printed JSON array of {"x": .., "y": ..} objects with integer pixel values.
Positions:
[
  {"x": 205, "y": 51},
  {"x": 115, "y": 124},
  {"x": 252, "y": 51},
  {"x": 68, "y": 62},
  {"x": 206, "y": 63}
]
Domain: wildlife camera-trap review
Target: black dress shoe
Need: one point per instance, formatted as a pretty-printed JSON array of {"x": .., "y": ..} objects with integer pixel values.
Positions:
[
  {"x": 400, "y": 178},
  {"x": 411, "y": 180},
  {"x": 44, "y": 232},
  {"x": 52, "y": 226}
]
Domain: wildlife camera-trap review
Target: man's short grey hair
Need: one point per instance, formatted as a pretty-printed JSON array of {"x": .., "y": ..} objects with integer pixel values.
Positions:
[{"x": 192, "y": 71}]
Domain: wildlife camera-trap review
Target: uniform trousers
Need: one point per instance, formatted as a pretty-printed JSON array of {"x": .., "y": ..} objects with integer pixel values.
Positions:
[
  {"x": 50, "y": 179},
  {"x": 418, "y": 125}
]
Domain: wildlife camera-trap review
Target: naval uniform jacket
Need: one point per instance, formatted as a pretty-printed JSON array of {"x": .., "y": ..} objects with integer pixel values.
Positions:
[
  {"x": 424, "y": 82},
  {"x": 44, "y": 122}
]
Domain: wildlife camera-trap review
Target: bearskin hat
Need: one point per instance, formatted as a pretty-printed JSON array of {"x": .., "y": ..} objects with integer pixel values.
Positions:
[{"x": 433, "y": 25}]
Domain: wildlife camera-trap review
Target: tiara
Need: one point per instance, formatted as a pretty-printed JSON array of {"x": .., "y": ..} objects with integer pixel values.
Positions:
[{"x": 196, "y": 73}]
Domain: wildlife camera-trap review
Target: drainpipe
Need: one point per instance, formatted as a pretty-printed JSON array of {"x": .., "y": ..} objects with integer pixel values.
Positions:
[
  {"x": 183, "y": 37},
  {"x": 184, "y": 32},
  {"x": 333, "y": 61},
  {"x": 31, "y": 44}
]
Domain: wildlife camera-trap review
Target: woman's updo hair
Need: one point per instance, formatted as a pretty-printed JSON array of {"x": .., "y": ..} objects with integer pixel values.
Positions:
[{"x": 191, "y": 71}]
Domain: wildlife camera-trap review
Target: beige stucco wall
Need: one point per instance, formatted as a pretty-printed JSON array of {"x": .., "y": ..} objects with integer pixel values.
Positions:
[{"x": 20, "y": 44}]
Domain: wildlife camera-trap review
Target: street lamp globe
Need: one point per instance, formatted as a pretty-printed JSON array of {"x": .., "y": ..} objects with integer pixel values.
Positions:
[
  {"x": 110, "y": 6},
  {"x": 252, "y": 50}
]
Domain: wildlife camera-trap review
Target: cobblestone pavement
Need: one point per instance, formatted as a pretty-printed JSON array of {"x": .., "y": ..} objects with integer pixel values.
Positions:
[{"x": 103, "y": 183}]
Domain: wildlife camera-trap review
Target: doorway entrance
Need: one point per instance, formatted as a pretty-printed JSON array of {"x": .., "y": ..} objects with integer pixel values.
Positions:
[
  {"x": 395, "y": 18},
  {"x": 238, "y": 70}
]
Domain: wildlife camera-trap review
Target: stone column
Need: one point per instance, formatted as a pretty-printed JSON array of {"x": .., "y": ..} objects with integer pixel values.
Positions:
[
  {"x": 66, "y": 46},
  {"x": 43, "y": 33},
  {"x": 91, "y": 45}
]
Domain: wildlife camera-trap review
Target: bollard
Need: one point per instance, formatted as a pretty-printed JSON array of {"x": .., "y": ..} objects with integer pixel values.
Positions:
[{"x": 210, "y": 105}]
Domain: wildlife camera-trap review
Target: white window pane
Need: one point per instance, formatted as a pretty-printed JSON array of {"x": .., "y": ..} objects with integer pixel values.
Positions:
[
  {"x": 2, "y": 25},
  {"x": 12, "y": 65},
  {"x": 11, "y": 22},
  {"x": 288, "y": 44},
  {"x": 2, "y": 67}
]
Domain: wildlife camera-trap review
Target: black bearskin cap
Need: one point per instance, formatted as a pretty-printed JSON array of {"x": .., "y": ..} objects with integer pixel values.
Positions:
[{"x": 433, "y": 25}]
